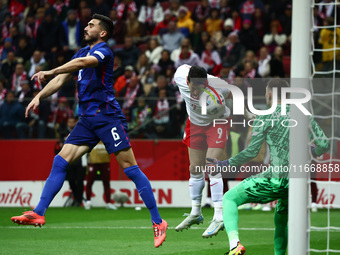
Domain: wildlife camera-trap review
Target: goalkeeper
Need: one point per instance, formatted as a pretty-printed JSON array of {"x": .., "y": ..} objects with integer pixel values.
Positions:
[{"x": 272, "y": 184}]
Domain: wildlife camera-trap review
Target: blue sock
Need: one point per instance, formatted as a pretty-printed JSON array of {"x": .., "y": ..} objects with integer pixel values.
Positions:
[
  {"x": 53, "y": 184},
  {"x": 145, "y": 191}
]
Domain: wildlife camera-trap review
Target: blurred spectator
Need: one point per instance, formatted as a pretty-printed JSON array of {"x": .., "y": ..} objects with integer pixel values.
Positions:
[
  {"x": 12, "y": 117},
  {"x": 124, "y": 7},
  {"x": 172, "y": 39},
  {"x": 175, "y": 53},
  {"x": 118, "y": 69},
  {"x": 119, "y": 27},
  {"x": 133, "y": 27},
  {"x": 142, "y": 65},
  {"x": 220, "y": 38},
  {"x": 150, "y": 15},
  {"x": 25, "y": 94},
  {"x": 213, "y": 23},
  {"x": 205, "y": 37},
  {"x": 36, "y": 60},
  {"x": 8, "y": 66},
  {"x": 7, "y": 47},
  {"x": 60, "y": 116},
  {"x": 276, "y": 64},
  {"x": 187, "y": 57},
  {"x": 264, "y": 63},
  {"x": 149, "y": 78},
  {"x": 286, "y": 20},
  {"x": 225, "y": 9},
  {"x": 233, "y": 52},
  {"x": 140, "y": 117},
  {"x": 47, "y": 37},
  {"x": 19, "y": 75},
  {"x": 130, "y": 52},
  {"x": 25, "y": 49},
  {"x": 3, "y": 91},
  {"x": 16, "y": 7},
  {"x": 100, "y": 7},
  {"x": 162, "y": 83},
  {"x": 326, "y": 10},
  {"x": 61, "y": 8},
  {"x": 123, "y": 80},
  {"x": 163, "y": 117},
  {"x": 38, "y": 118},
  {"x": 260, "y": 22},
  {"x": 3, "y": 11},
  {"x": 165, "y": 62},
  {"x": 31, "y": 26},
  {"x": 235, "y": 16},
  {"x": 248, "y": 36},
  {"x": 211, "y": 60},
  {"x": 154, "y": 51},
  {"x": 327, "y": 41},
  {"x": 14, "y": 35},
  {"x": 227, "y": 74},
  {"x": 86, "y": 16},
  {"x": 162, "y": 27},
  {"x": 275, "y": 37},
  {"x": 130, "y": 93},
  {"x": 175, "y": 5},
  {"x": 201, "y": 12},
  {"x": 71, "y": 34},
  {"x": 6, "y": 25},
  {"x": 195, "y": 36},
  {"x": 247, "y": 8},
  {"x": 184, "y": 22},
  {"x": 248, "y": 71}
]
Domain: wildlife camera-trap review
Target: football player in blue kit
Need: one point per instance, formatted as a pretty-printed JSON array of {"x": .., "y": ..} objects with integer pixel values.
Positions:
[{"x": 101, "y": 118}]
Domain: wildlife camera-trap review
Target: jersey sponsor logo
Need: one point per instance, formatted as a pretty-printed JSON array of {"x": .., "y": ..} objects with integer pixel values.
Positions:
[
  {"x": 116, "y": 144},
  {"x": 101, "y": 55}
]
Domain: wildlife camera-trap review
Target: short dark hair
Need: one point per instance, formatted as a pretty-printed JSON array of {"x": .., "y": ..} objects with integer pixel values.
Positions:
[
  {"x": 106, "y": 23},
  {"x": 277, "y": 83},
  {"x": 197, "y": 72}
]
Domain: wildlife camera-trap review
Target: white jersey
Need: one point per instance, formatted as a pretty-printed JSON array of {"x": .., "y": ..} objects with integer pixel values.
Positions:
[{"x": 193, "y": 107}]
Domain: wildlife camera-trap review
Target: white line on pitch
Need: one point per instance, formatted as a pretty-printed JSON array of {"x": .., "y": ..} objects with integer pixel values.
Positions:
[{"x": 118, "y": 227}]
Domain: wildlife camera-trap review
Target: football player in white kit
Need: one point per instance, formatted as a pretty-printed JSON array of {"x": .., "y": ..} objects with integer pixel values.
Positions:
[{"x": 203, "y": 140}]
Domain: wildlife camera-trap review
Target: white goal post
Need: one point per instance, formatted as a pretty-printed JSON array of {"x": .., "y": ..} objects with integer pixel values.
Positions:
[{"x": 298, "y": 215}]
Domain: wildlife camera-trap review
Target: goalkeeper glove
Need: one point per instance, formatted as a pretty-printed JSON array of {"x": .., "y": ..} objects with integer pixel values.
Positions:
[{"x": 214, "y": 162}]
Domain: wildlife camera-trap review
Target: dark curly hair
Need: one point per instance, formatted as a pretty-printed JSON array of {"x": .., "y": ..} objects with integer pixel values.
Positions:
[{"x": 197, "y": 72}]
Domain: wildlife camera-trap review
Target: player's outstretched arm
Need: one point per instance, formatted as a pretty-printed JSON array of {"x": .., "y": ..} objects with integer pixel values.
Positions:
[
  {"x": 72, "y": 66},
  {"x": 53, "y": 86}
]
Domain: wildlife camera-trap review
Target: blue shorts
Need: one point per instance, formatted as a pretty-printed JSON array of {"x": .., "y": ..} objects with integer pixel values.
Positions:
[{"x": 110, "y": 129}]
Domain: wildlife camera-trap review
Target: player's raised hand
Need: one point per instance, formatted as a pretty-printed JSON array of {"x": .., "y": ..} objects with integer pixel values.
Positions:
[
  {"x": 32, "y": 105},
  {"x": 42, "y": 76}
]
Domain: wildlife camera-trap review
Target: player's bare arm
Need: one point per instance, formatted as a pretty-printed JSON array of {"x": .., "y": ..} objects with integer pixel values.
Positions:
[
  {"x": 72, "y": 66},
  {"x": 53, "y": 86}
]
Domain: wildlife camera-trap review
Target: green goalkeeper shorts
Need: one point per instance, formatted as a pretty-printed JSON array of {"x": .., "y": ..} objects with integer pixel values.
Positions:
[{"x": 262, "y": 190}]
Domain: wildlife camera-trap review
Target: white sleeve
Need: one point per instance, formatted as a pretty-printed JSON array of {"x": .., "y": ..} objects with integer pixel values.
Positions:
[
  {"x": 158, "y": 14},
  {"x": 180, "y": 78}
]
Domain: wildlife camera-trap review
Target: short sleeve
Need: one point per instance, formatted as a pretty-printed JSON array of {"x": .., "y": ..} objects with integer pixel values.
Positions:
[{"x": 101, "y": 54}]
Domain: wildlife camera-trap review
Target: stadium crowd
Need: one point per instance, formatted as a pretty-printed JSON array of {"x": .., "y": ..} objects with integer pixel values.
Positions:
[{"x": 234, "y": 40}]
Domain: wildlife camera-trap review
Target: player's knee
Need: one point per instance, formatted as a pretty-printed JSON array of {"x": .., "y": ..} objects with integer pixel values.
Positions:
[{"x": 195, "y": 169}]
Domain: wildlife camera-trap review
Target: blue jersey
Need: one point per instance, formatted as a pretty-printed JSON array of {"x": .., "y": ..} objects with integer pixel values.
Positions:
[{"x": 95, "y": 85}]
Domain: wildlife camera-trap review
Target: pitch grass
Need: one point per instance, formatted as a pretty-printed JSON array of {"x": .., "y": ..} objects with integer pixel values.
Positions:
[{"x": 126, "y": 231}]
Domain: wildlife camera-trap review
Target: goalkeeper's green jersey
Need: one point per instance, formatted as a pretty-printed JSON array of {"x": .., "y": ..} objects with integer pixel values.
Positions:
[{"x": 273, "y": 128}]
